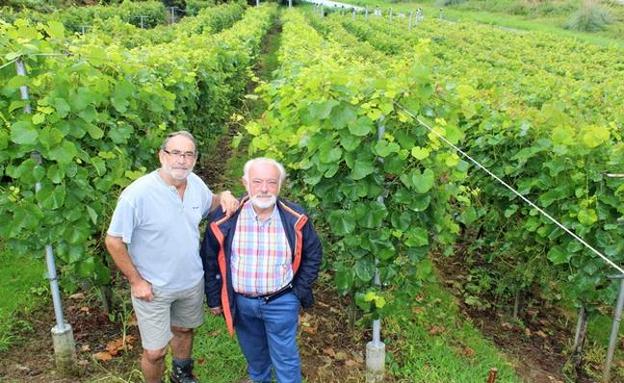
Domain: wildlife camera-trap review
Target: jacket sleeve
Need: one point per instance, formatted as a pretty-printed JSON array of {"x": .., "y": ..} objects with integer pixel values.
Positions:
[
  {"x": 312, "y": 253},
  {"x": 212, "y": 277}
]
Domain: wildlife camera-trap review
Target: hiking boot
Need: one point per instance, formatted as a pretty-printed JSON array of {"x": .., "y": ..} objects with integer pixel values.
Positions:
[{"x": 183, "y": 374}]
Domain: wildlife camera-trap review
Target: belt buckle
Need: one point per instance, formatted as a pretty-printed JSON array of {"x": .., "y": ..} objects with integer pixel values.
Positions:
[{"x": 278, "y": 293}]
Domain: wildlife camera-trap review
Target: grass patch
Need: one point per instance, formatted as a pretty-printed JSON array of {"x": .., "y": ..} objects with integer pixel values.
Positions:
[
  {"x": 217, "y": 355},
  {"x": 436, "y": 343},
  {"x": 544, "y": 25},
  {"x": 20, "y": 277},
  {"x": 542, "y": 17},
  {"x": 591, "y": 17}
]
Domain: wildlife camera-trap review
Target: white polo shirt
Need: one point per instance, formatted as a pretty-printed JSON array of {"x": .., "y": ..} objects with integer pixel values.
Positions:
[{"x": 161, "y": 230}]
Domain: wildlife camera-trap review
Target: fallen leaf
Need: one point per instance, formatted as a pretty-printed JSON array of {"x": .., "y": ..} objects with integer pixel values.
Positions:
[
  {"x": 341, "y": 355},
  {"x": 103, "y": 356},
  {"x": 507, "y": 325},
  {"x": 85, "y": 348},
  {"x": 120, "y": 344},
  {"x": 527, "y": 332},
  {"x": 468, "y": 352},
  {"x": 540, "y": 333},
  {"x": 436, "y": 330},
  {"x": 309, "y": 330},
  {"x": 77, "y": 296},
  {"x": 330, "y": 351},
  {"x": 83, "y": 362},
  {"x": 305, "y": 317},
  {"x": 85, "y": 309},
  {"x": 200, "y": 361},
  {"x": 358, "y": 357},
  {"x": 417, "y": 310},
  {"x": 22, "y": 368},
  {"x": 351, "y": 363}
]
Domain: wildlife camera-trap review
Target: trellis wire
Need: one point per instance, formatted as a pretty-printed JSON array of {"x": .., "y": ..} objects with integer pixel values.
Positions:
[{"x": 533, "y": 205}]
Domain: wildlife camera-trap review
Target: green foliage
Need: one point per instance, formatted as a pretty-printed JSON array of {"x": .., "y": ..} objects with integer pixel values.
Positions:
[
  {"x": 446, "y": 3},
  {"x": 326, "y": 106},
  {"x": 151, "y": 13},
  {"x": 99, "y": 116},
  {"x": 194, "y": 6},
  {"x": 548, "y": 124},
  {"x": 208, "y": 20},
  {"x": 590, "y": 17}
]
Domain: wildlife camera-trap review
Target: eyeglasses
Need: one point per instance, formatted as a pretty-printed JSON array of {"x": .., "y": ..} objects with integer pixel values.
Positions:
[{"x": 182, "y": 155}]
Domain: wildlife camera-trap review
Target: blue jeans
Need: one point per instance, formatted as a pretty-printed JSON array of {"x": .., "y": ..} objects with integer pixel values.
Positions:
[{"x": 267, "y": 335}]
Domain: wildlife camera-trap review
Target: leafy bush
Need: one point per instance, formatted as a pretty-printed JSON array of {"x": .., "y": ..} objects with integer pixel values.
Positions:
[
  {"x": 591, "y": 17},
  {"x": 448, "y": 2},
  {"x": 194, "y": 6}
]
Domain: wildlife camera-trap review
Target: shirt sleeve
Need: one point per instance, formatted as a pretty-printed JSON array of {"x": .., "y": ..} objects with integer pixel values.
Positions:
[
  {"x": 123, "y": 221},
  {"x": 208, "y": 204}
]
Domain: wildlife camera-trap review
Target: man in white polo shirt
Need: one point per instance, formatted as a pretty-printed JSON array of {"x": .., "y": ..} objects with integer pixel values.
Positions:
[{"x": 153, "y": 238}]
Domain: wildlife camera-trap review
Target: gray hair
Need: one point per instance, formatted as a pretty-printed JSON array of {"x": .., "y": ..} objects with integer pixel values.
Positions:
[
  {"x": 182, "y": 133},
  {"x": 265, "y": 160}
]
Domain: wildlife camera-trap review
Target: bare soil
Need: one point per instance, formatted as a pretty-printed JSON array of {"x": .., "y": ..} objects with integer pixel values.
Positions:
[
  {"x": 538, "y": 341},
  {"x": 330, "y": 348},
  {"x": 31, "y": 357}
]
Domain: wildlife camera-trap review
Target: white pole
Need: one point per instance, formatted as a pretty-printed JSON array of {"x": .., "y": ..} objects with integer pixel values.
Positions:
[
  {"x": 62, "y": 334},
  {"x": 376, "y": 349},
  {"x": 615, "y": 327}
]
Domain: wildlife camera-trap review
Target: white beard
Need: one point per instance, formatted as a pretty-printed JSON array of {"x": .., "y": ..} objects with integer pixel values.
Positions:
[
  {"x": 177, "y": 174},
  {"x": 263, "y": 203}
]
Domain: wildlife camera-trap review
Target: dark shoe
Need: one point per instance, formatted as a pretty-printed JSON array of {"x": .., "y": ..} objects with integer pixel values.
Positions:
[{"x": 183, "y": 374}]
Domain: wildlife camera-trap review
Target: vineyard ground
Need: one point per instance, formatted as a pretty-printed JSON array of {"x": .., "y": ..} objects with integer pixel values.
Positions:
[{"x": 540, "y": 339}]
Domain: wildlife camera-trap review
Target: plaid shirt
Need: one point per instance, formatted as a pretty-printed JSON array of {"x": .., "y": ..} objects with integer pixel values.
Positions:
[{"x": 261, "y": 256}]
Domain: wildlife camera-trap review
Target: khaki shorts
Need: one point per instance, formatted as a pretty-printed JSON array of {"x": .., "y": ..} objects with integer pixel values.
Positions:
[{"x": 183, "y": 308}]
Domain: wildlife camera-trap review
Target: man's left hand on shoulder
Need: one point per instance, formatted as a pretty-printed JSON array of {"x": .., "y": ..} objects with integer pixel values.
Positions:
[{"x": 229, "y": 204}]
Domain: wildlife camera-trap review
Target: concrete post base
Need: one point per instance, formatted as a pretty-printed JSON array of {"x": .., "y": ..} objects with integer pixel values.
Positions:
[
  {"x": 64, "y": 349},
  {"x": 375, "y": 362}
]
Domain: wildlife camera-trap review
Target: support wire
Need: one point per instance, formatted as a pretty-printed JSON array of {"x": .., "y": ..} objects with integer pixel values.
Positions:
[{"x": 533, "y": 205}]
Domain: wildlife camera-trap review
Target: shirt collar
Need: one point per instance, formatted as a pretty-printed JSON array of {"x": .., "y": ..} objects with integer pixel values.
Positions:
[{"x": 252, "y": 213}]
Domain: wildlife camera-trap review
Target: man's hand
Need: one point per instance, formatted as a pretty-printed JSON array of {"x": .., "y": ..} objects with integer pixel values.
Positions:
[
  {"x": 142, "y": 289},
  {"x": 216, "y": 310},
  {"x": 229, "y": 204}
]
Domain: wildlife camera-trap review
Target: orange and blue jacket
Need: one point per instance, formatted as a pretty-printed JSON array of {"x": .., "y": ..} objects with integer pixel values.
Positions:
[{"x": 216, "y": 251}]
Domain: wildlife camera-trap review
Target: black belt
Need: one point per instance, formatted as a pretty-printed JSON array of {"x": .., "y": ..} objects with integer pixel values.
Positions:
[{"x": 269, "y": 297}]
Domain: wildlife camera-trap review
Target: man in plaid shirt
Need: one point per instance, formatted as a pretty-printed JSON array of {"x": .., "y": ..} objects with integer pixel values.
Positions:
[{"x": 260, "y": 264}]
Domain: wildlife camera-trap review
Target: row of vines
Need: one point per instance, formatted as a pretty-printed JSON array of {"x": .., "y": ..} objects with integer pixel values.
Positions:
[
  {"x": 148, "y": 13},
  {"x": 145, "y": 14},
  {"x": 99, "y": 113},
  {"x": 545, "y": 113},
  {"x": 326, "y": 109}
]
